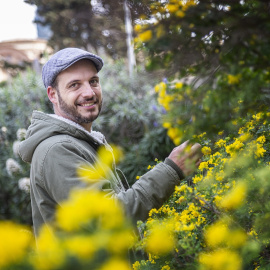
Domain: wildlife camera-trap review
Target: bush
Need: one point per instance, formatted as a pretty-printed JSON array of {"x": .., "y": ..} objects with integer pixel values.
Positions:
[{"x": 18, "y": 99}]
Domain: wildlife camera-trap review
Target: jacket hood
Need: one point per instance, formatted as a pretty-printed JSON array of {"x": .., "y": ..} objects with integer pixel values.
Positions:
[{"x": 44, "y": 126}]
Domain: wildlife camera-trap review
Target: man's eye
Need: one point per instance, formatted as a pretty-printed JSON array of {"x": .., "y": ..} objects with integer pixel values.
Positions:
[
  {"x": 94, "y": 82},
  {"x": 73, "y": 85}
]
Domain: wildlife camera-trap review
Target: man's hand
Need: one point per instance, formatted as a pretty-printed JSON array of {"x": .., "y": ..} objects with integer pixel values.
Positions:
[{"x": 187, "y": 160}]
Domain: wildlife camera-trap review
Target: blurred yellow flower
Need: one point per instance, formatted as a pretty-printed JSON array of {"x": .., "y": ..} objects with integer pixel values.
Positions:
[
  {"x": 220, "y": 143},
  {"x": 102, "y": 167},
  {"x": 233, "y": 79},
  {"x": 84, "y": 206},
  {"x": 217, "y": 234},
  {"x": 145, "y": 36},
  {"x": 116, "y": 263},
  {"x": 81, "y": 246},
  {"x": 15, "y": 239},
  {"x": 235, "y": 198},
  {"x": 50, "y": 252},
  {"x": 221, "y": 259},
  {"x": 206, "y": 150},
  {"x": 160, "y": 240},
  {"x": 203, "y": 165},
  {"x": 178, "y": 85}
]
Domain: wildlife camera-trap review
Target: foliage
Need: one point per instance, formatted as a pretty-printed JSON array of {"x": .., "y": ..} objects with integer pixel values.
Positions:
[
  {"x": 18, "y": 100},
  {"x": 88, "y": 24},
  {"x": 96, "y": 238},
  {"x": 130, "y": 118},
  {"x": 220, "y": 48},
  {"x": 220, "y": 220}
]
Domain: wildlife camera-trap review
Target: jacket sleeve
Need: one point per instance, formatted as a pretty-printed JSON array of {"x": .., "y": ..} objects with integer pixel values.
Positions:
[
  {"x": 150, "y": 191},
  {"x": 58, "y": 176}
]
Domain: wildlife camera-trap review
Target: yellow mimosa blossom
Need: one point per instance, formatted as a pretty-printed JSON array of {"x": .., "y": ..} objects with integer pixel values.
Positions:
[
  {"x": 261, "y": 139},
  {"x": 138, "y": 28},
  {"x": 178, "y": 85},
  {"x": 181, "y": 188},
  {"x": 220, "y": 143},
  {"x": 155, "y": 243},
  {"x": 203, "y": 165},
  {"x": 221, "y": 133},
  {"x": 84, "y": 206},
  {"x": 166, "y": 125},
  {"x": 244, "y": 137},
  {"x": 234, "y": 79},
  {"x": 221, "y": 259},
  {"x": 102, "y": 167},
  {"x": 236, "y": 239},
  {"x": 257, "y": 116},
  {"x": 14, "y": 241},
  {"x": 219, "y": 234},
  {"x": 145, "y": 36},
  {"x": 136, "y": 265},
  {"x": 235, "y": 198},
  {"x": 116, "y": 263},
  {"x": 206, "y": 150},
  {"x": 50, "y": 253},
  {"x": 172, "y": 8},
  {"x": 175, "y": 134},
  {"x": 180, "y": 14},
  {"x": 233, "y": 148},
  {"x": 166, "y": 267},
  {"x": 197, "y": 178},
  {"x": 259, "y": 152},
  {"x": 120, "y": 242},
  {"x": 81, "y": 246}
]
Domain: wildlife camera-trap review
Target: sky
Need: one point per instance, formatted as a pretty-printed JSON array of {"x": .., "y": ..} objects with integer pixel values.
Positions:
[{"x": 16, "y": 20}]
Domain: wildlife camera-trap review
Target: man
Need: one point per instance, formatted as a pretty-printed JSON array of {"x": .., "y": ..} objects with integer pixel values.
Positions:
[{"x": 57, "y": 144}]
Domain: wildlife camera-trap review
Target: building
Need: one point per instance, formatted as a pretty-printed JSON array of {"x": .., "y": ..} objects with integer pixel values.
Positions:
[{"x": 20, "y": 53}]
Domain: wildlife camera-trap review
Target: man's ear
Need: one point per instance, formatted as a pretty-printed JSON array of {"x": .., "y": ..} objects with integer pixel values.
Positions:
[{"x": 52, "y": 95}]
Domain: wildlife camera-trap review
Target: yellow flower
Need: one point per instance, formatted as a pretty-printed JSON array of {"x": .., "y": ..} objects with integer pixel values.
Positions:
[
  {"x": 166, "y": 125},
  {"x": 197, "y": 178},
  {"x": 259, "y": 152},
  {"x": 116, "y": 263},
  {"x": 81, "y": 246},
  {"x": 235, "y": 198},
  {"x": 178, "y": 85},
  {"x": 220, "y": 143},
  {"x": 234, "y": 79},
  {"x": 166, "y": 267},
  {"x": 50, "y": 253},
  {"x": 261, "y": 139},
  {"x": 84, "y": 206},
  {"x": 105, "y": 159},
  {"x": 221, "y": 259},
  {"x": 136, "y": 265},
  {"x": 120, "y": 242},
  {"x": 172, "y": 8},
  {"x": 180, "y": 14},
  {"x": 14, "y": 241},
  {"x": 145, "y": 36},
  {"x": 160, "y": 240},
  {"x": 206, "y": 150},
  {"x": 203, "y": 165},
  {"x": 237, "y": 238}
]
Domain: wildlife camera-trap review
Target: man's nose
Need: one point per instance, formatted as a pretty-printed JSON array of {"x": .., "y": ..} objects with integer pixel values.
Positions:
[{"x": 87, "y": 91}]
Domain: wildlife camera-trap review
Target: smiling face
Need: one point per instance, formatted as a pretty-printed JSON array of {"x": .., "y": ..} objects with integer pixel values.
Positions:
[{"x": 77, "y": 95}]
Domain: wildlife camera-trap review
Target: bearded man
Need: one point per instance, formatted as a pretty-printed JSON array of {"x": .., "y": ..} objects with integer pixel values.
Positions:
[{"x": 57, "y": 144}]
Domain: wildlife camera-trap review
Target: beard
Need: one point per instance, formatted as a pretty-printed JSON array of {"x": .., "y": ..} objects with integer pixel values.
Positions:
[{"x": 74, "y": 115}]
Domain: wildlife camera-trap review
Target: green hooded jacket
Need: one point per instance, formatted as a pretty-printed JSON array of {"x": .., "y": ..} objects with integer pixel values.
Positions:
[{"x": 56, "y": 147}]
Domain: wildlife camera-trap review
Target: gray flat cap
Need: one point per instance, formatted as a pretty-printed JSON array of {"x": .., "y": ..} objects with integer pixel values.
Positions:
[{"x": 64, "y": 59}]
